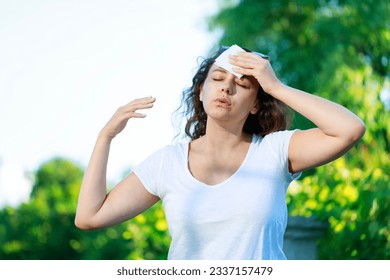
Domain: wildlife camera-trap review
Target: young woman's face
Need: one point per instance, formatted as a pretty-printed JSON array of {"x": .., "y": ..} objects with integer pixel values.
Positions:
[{"x": 227, "y": 97}]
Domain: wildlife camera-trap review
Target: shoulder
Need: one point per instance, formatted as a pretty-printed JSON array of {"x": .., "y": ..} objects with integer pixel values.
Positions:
[
  {"x": 158, "y": 166},
  {"x": 277, "y": 142},
  {"x": 274, "y": 138},
  {"x": 281, "y": 134},
  {"x": 278, "y": 145},
  {"x": 168, "y": 151}
]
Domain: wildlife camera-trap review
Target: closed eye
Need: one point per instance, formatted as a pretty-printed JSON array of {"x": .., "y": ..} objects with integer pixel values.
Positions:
[
  {"x": 243, "y": 85},
  {"x": 218, "y": 74},
  {"x": 243, "y": 82},
  {"x": 218, "y": 77}
]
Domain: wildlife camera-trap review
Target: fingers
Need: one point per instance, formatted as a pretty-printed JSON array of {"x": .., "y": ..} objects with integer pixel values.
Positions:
[
  {"x": 244, "y": 71},
  {"x": 119, "y": 120},
  {"x": 137, "y": 104},
  {"x": 251, "y": 64},
  {"x": 140, "y": 103},
  {"x": 247, "y": 60}
]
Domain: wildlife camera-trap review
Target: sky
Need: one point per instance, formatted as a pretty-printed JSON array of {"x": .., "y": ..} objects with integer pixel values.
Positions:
[{"x": 66, "y": 66}]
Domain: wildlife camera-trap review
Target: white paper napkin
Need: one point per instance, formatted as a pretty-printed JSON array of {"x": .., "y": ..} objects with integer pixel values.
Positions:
[{"x": 223, "y": 60}]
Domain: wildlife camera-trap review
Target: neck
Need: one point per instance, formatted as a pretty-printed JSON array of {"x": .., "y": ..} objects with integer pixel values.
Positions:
[{"x": 219, "y": 138}]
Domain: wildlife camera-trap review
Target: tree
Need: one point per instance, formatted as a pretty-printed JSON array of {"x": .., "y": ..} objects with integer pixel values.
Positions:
[
  {"x": 43, "y": 228},
  {"x": 339, "y": 50}
]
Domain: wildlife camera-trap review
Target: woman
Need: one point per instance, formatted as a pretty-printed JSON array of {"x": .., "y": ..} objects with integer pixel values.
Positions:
[{"x": 224, "y": 191}]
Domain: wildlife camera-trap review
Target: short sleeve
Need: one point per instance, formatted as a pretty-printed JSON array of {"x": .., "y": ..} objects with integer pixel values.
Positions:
[
  {"x": 149, "y": 171},
  {"x": 279, "y": 142}
]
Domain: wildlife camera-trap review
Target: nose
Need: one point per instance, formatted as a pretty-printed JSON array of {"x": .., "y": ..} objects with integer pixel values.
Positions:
[
  {"x": 228, "y": 85},
  {"x": 226, "y": 90}
]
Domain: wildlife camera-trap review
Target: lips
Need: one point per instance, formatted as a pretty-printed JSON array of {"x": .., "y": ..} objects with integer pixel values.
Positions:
[{"x": 224, "y": 102}]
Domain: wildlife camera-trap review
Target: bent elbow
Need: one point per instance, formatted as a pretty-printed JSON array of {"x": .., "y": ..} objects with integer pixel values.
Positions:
[
  {"x": 82, "y": 224},
  {"x": 354, "y": 134},
  {"x": 79, "y": 224},
  {"x": 358, "y": 131}
]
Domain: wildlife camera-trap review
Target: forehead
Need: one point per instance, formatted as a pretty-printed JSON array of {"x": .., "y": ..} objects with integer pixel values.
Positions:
[
  {"x": 215, "y": 67},
  {"x": 219, "y": 70}
]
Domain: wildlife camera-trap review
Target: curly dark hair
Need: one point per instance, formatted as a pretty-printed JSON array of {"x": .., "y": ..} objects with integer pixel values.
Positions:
[{"x": 273, "y": 115}]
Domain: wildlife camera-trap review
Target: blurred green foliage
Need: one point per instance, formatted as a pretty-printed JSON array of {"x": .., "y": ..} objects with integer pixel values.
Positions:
[
  {"x": 44, "y": 227},
  {"x": 339, "y": 50}
]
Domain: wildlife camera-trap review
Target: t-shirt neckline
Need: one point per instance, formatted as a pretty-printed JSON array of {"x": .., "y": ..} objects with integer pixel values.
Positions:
[{"x": 220, "y": 184}]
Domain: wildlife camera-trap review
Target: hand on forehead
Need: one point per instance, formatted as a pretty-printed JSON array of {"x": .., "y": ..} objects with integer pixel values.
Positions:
[{"x": 223, "y": 59}]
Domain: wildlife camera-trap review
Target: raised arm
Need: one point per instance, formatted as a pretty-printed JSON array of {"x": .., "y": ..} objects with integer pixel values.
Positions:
[
  {"x": 338, "y": 129},
  {"x": 96, "y": 208}
]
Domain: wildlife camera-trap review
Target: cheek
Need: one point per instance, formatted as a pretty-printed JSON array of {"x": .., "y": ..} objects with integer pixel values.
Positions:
[
  {"x": 252, "y": 102},
  {"x": 204, "y": 91}
]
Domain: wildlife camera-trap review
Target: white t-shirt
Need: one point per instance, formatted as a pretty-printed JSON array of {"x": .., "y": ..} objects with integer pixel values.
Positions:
[{"x": 243, "y": 217}]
